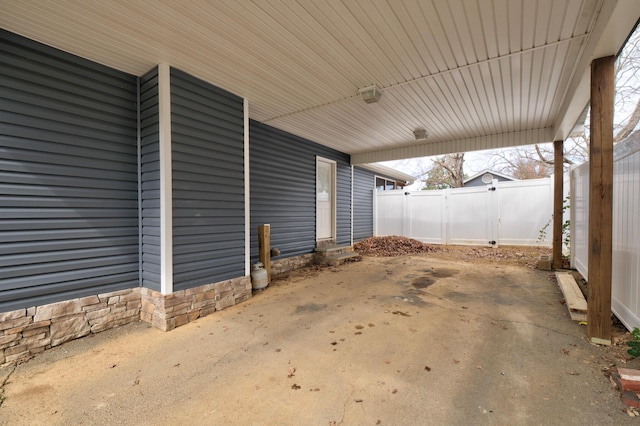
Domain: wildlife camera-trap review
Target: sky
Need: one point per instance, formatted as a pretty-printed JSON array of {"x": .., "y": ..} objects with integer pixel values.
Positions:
[{"x": 474, "y": 162}]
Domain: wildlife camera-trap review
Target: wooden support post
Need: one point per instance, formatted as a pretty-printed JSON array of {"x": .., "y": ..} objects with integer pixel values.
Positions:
[
  {"x": 264, "y": 248},
  {"x": 558, "y": 170},
  {"x": 600, "y": 201}
]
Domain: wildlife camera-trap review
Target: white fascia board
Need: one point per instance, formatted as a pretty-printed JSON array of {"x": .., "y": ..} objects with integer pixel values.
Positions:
[
  {"x": 502, "y": 140},
  {"x": 388, "y": 172},
  {"x": 166, "y": 193}
]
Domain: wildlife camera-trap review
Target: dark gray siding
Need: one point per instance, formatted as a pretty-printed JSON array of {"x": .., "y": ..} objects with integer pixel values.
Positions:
[
  {"x": 207, "y": 132},
  {"x": 343, "y": 193},
  {"x": 150, "y": 179},
  {"x": 68, "y": 176},
  {"x": 363, "y": 186},
  {"x": 283, "y": 179}
]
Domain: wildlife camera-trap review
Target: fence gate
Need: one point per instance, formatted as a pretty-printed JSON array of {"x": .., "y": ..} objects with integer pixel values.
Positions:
[{"x": 472, "y": 214}]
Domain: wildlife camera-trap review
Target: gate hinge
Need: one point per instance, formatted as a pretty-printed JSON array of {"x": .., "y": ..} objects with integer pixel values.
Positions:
[
  {"x": 493, "y": 188},
  {"x": 493, "y": 243}
]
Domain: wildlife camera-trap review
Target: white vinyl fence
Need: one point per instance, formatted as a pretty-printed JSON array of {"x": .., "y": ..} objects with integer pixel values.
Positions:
[
  {"x": 507, "y": 213},
  {"x": 625, "y": 292}
]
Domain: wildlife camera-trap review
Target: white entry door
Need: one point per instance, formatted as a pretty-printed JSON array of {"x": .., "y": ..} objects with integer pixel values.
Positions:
[{"x": 325, "y": 198}]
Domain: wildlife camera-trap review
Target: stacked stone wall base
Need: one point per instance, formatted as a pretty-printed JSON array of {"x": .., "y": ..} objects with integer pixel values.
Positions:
[
  {"x": 169, "y": 311},
  {"x": 25, "y": 332},
  {"x": 283, "y": 265}
]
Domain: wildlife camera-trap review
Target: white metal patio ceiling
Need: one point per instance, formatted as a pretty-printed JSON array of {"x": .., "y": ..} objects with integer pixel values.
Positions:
[{"x": 476, "y": 74}]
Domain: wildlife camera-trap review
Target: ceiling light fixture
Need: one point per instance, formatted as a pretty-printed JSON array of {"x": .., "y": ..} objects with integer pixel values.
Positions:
[
  {"x": 370, "y": 94},
  {"x": 420, "y": 134}
]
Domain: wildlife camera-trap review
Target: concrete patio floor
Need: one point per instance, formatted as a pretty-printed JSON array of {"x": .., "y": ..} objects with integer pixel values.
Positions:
[{"x": 403, "y": 341}]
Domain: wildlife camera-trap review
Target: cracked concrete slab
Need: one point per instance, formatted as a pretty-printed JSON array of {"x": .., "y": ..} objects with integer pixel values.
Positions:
[{"x": 408, "y": 340}]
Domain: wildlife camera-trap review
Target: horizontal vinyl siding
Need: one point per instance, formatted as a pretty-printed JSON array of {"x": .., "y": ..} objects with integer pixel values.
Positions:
[
  {"x": 363, "y": 185},
  {"x": 283, "y": 188},
  {"x": 208, "y": 182},
  {"x": 68, "y": 176},
  {"x": 343, "y": 195},
  {"x": 150, "y": 179}
]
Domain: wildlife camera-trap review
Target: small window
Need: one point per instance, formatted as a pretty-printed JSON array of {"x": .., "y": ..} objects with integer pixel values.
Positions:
[{"x": 387, "y": 184}]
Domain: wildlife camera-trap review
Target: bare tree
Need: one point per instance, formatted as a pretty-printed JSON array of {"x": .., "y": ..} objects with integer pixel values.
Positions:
[
  {"x": 445, "y": 172},
  {"x": 627, "y": 101},
  {"x": 521, "y": 162}
]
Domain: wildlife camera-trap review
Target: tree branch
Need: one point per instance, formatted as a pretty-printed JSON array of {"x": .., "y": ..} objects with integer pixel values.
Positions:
[
  {"x": 629, "y": 125},
  {"x": 542, "y": 159}
]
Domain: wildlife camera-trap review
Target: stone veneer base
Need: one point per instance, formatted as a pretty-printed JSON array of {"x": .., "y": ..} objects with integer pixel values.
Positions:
[
  {"x": 25, "y": 332},
  {"x": 290, "y": 263},
  {"x": 168, "y": 311}
]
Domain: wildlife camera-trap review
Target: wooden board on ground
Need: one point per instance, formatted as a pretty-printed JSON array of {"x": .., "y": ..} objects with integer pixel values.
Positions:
[{"x": 573, "y": 296}]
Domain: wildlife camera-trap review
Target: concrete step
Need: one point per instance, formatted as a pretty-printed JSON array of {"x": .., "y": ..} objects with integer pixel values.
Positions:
[
  {"x": 333, "y": 250},
  {"x": 334, "y": 255}
]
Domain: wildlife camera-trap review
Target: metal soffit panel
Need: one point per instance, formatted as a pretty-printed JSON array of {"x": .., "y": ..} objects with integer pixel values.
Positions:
[{"x": 473, "y": 73}]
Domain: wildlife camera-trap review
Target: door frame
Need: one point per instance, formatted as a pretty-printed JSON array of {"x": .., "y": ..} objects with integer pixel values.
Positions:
[{"x": 333, "y": 168}]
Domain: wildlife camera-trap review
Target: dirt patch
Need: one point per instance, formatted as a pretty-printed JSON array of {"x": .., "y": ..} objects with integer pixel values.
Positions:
[
  {"x": 431, "y": 276},
  {"x": 442, "y": 272},
  {"x": 400, "y": 246},
  {"x": 310, "y": 307},
  {"x": 422, "y": 282},
  {"x": 509, "y": 255},
  {"x": 296, "y": 275}
]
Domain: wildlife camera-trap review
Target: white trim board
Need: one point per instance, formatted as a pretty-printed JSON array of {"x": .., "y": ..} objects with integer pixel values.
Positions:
[
  {"x": 166, "y": 191},
  {"x": 247, "y": 192}
]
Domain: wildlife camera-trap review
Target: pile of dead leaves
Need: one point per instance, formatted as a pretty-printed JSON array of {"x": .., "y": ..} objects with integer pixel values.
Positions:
[{"x": 392, "y": 246}]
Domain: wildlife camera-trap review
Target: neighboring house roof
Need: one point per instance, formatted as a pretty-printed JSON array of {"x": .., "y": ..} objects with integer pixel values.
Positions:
[
  {"x": 477, "y": 175},
  {"x": 385, "y": 171}
]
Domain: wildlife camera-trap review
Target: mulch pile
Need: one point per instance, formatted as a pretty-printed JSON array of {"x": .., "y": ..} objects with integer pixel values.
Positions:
[{"x": 393, "y": 246}]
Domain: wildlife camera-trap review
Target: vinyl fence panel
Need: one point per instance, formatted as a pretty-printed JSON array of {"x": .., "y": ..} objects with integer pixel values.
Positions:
[
  {"x": 580, "y": 218},
  {"x": 625, "y": 285},
  {"x": 510, "y": 213},
  {"x": 525, "y": 209},
  {"x": 390, "y": 213},
  {"x": 427, "y": 211},
  {"x": 625, "y": 289}
]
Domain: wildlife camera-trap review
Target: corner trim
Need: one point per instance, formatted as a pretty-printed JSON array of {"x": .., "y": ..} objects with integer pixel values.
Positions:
[
  {"x": 247, "y": 192},
  {"x": 166, "y": 190}
]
